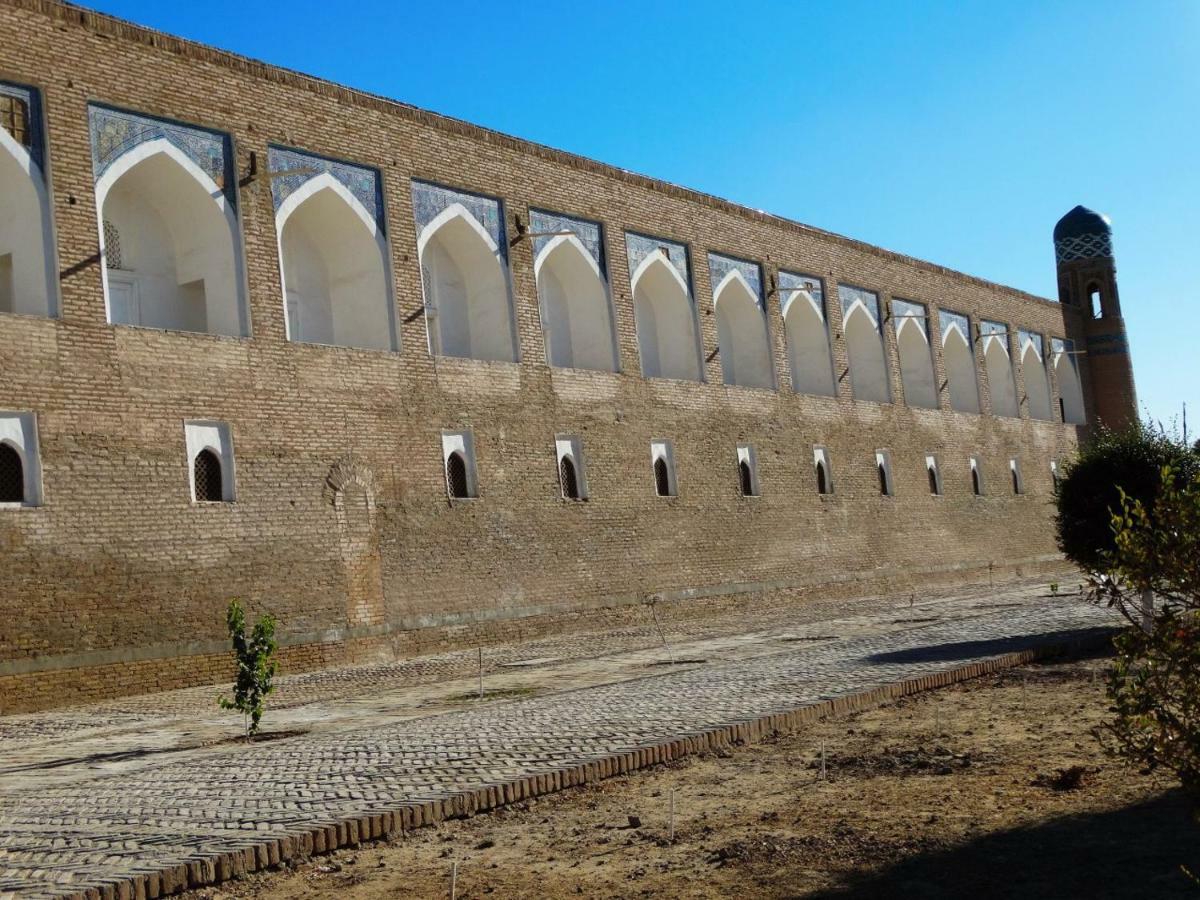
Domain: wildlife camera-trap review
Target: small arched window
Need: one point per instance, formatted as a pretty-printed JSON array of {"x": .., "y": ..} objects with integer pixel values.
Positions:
[
  {"x": 568, "y": 478},
  {"x": 206, "y": 471},
  {"x": 662, "y": 478},
  {"x": 976, "y": 487},
  {"x": 1016, "y": 482},
  {"x": 1097, "y": 305},
  {"x": 456, "y": 476},
  {"x": 12, "y": 475},
  {"x": 745, "y": 479},
  {"x": 1062, "y": 410},
  {"x": 933, "y": 481},
  {"x": 822, "y": 479},
  {"x": 883, "y": 479}
]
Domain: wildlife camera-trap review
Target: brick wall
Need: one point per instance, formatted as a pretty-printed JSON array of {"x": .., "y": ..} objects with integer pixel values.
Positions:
[{"x": 118, "y": 572}]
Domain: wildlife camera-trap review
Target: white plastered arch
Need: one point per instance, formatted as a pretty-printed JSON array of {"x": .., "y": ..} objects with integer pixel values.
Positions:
[
  {"x": 864, "y": 348},
  {"x": 1001, "y": 383},
  {"x": 810, "y": 360},
  {"x": 959, "y": 364},
  {"x": 1037, "y": 383},
  {"x": 1070, "y": 391},
  {"x": 341, "y": 293},
  {"x": 742, "y": 334},
  {"x": 793, "y": 295},
  {"x": 40, "y": 297},
  {"x": 469, "y": 301},
  {"x": 665, "y": 320},
  {"x": 576, "y": 308},
  {"x": 238, "y": 324},
  {"x": 916, "y": 364}
]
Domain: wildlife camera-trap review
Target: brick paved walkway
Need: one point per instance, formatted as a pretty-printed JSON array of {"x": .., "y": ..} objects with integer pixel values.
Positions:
[{"x": 133, "y": 795}]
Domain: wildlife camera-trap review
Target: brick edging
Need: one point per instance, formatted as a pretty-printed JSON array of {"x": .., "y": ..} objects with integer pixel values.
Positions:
[{"x": 350, "y": 832}]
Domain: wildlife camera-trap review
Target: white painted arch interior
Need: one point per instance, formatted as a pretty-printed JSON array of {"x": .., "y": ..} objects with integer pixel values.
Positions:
[
  {"x": 179, "y": 265},
  {"x": 334, "y": 263},
  {"x": 27, "y": 256},
  {"x": 742, "y": 334},
  {"x": 864, "y": 346},
  {"x": 1037, "y": 383},
  {"x": 468, "y": 305},
  {"x": 577, "y": 316},
  {"x": 916, "y": 364},
  {"x": 809, "y": 357},
  {"x": 1000, "y": 377},
  {"x": 959, "y": 363},
  {"x": 665, "y": 321},
  {"x": 1069, "y": 389}
]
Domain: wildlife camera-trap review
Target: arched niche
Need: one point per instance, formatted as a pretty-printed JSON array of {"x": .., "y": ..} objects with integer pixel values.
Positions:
[
  {"x": 466, "y": 289},
  {"x": 333, "y": 257},
  {"x": 808, "y": 345},
  {"x": 959, "y": 363},
  {"x": 864, "y": 345},
  {"x": 1037, "y": 384},
  {"x": 179, "y": 261},
  {"x": 1070, "y": 391},
  {"x": 665, "y": 321},
  {"x": 1000, "y": 377},
  {"x": 27, "y": 277},
  {"x": 916, "y": 364},
  {"x": 742, "y": 334},
  {"x": 576, "y": 313}
]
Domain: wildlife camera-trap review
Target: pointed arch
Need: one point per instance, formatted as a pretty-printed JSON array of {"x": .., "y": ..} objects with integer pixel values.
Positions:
[
  {"x": 465, "y": 278},
  {"x": 577, "y": 318},
  {"x": 809, "y": 358},
  {"x": 12, "y": 474},
  {"x": 1070, "y": 392},
  {"x": 27, "y": 252},
  {"x": 665, "y": 320},
  {"x": 207, "y": 478},
  {"x": 959, "y": 363},
  {"x": 568, "y": 479},
  {"x": 742, "y": 334},
  {"x": 333, "y": 260},
  {"x": 662, "y": 478},
  {"x": 864, "y": 346},
  {"x": 916, "y": 364},
  {"x": 1000, "y": 377},
  {"x": 1037, "y": 383},
  {"x": 180, "y": 248},
  {"x": 457, "y": 485}
]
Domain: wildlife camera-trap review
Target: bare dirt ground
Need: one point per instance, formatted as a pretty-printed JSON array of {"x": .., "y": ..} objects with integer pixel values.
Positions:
[{"x": 994, "y": 788}]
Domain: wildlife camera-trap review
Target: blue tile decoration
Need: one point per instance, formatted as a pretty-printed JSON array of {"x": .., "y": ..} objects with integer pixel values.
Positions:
[
  {"x": 908, "y": 314},
  {"x": 639, "y": 246},
  {"x": 719, "y": 266},
  {"x": 115, "y": 132},
  {"x": 32, "y": 98},
  {"x": 1060, "y": 347},
  {"x": 1083, "y": 246},
  {"x": 1029, "y": 337},
  {"x": 847, "y": 295},
  {"x": 430, "y": 200},
  {"x": 361, "y": 181},
  {"x": 810, "y": 284},
  {"x": 589, "y": 233},
  {"x": 946, "y": 318}
]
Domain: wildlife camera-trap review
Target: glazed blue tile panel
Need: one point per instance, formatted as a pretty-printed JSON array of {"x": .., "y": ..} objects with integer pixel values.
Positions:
[
  {"x": 912, "y": 313},
  {"x": 431, "y": 200},
  {"x": 639, "y": 246},
  {"x": 588, "y": 233},
  {"x": 720, "y": 266},
  {"x": 810, "y": 284},
  {"x": 847, "y": 295},
  {"x": 363, "y": 182},
  {"x": 32, "y": 98},
  {"x": 115, "y": 132},
  {"x": 947, "y": 318},
  {"x": 1029, "y": 337},
  {"x": 986, "y": 328}
]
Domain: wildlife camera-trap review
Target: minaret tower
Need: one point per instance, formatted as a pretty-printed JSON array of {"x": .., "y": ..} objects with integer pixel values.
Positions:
[{"x": 1087, "y": 281}]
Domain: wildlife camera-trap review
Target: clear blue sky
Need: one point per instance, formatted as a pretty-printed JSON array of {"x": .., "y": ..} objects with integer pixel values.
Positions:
[{"x": 955, "y": 132}]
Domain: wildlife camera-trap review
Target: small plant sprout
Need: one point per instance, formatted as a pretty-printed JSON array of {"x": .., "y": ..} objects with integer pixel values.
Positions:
[
  {"x": 1054, "y": 588},
  {"x": 256, "y": 666}
]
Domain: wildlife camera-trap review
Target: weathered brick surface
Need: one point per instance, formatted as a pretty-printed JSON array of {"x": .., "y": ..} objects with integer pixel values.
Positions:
[{"x": 118, "y": 583}]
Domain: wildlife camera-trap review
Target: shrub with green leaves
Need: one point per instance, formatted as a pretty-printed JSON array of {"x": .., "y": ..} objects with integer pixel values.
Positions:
[
  {"x": 256, "y": 666},
  {"x": 1155, "y": 682}
]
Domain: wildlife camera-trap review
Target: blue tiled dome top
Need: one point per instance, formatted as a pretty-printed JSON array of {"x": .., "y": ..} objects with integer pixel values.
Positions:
[
  {"x": 1081, "y": 221},
  {"x": 1082, "y": 234}
]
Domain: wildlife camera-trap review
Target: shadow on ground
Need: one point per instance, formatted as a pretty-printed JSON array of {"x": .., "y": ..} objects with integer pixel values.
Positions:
[
  {"x": 1134, "y": 852},
  {"x": 965, "y": 650}
]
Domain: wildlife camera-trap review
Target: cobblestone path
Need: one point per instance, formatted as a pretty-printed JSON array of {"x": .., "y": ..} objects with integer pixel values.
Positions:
[{"x": 166, "y": 816}]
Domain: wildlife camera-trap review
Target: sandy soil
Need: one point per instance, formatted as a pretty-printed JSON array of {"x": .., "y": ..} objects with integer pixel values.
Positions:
[{"x": 957, "y": 793}]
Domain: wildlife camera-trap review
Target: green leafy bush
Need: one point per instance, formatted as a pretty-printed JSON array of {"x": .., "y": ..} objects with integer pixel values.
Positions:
[{"x": 256, "y": 666}]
